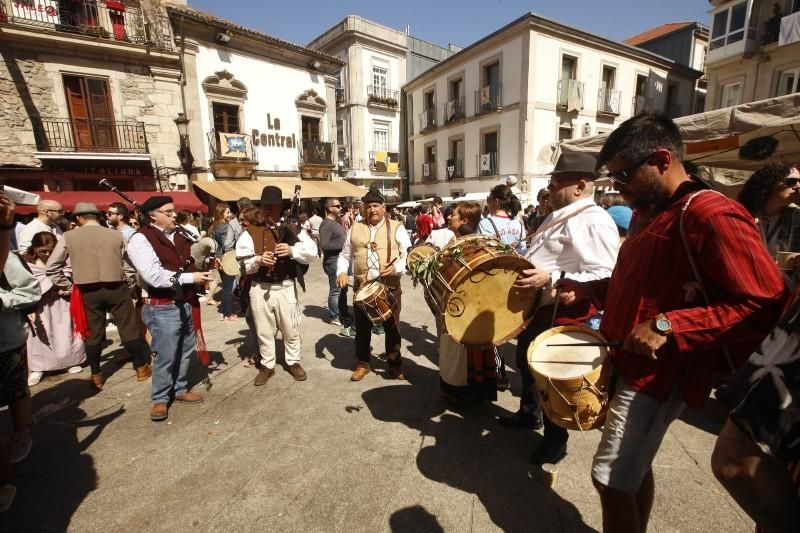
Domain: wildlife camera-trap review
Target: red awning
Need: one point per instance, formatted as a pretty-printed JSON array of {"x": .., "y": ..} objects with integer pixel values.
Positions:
[{"x": 184, "y": 200}]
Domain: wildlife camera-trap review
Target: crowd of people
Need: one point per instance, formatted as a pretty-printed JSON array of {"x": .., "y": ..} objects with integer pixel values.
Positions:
[{"x": 693, "y": 290}]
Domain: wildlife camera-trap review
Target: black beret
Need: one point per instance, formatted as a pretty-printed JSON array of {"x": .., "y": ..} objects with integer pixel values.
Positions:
[
  {"x": 373, "y": 196},
  {"x": 271, "y": 195},
  {"x": 154, "y": 202}
]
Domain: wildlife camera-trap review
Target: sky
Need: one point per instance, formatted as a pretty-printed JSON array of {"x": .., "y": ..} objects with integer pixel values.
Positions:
[{"x": 452, "y": 21}]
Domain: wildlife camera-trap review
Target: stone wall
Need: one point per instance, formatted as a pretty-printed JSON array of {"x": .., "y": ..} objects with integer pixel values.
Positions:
[{"x": 25, "y": 89}]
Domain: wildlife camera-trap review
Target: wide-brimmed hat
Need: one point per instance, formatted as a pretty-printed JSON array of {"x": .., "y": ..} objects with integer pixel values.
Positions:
[
  {"x": 86, "y": 208},
  {"x": 582, "y": 163}
]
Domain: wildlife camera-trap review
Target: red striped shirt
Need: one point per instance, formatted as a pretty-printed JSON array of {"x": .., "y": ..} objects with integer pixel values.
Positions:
[{"x": 653, "y": 275}]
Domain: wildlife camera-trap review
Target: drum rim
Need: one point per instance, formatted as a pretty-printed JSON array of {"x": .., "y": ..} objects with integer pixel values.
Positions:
[
  {"x": 375, "y": 282},
  {"x": 562, "y": 329}
]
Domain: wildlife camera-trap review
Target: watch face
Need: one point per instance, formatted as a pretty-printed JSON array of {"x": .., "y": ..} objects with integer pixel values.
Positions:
[{"x": 663, "y": 324}]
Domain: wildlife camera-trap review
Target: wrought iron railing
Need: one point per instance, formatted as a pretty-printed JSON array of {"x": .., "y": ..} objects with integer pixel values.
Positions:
[
  {"x": 84, "y": 135},
  {"x": 108, "y": 19},
  {"x": 380, "y": 95},
  {"x": 570, "y": 94},
  {"x": 489, "y": 98},
  {"x": 608, "y": 101},
  {"x": 454, "y": 169},
  {"x": 429, "y": 171},
  {"x": 487, "y": 164},
  {"x": 317, "y": 153},
  {"x": 453, "y": 110},
  {"x": 427, "y": 119}
]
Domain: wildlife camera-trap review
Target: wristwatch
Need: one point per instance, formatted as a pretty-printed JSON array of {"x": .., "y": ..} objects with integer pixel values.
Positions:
[{"x": 662, "y": 324}]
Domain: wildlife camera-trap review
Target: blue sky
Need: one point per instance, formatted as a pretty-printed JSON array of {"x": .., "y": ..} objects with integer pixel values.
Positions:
[{"x": 453, "y": 21}]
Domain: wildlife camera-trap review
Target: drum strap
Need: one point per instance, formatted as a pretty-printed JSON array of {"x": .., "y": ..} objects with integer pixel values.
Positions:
[
  {"x": 388, "y": 241},
  {"x": 696, "y": 271}
]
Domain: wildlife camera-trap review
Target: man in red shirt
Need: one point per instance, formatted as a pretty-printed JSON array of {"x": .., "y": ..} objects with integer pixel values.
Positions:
[
  {"x": 693, "y": 293},
  {"x": 424, "y": 224}
]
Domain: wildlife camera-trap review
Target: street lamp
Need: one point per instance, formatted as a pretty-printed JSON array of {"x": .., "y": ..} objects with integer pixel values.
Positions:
[{"x": 184, "y": 153}]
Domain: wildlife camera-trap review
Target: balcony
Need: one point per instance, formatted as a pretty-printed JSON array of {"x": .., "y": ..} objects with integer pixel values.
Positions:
[
  {"x": 429, "y": 171},
  {"x": 608, "y": 101},
  {"x": 453, "y": 110},
  {"x": 487, "y": 164},
  {"x": 427, "y": 119},
  {"x": 641, "y": 104},
  {"x": 489, "y": 98},
  {"x": 84, "y": 135},
  {"x": 230, "y": 146},
  {"x": 454, "y": 169},
  {"x": 382, "y": 97},
  {"x": 384, "y": 161},
  {"x": 111, "y": 20},
  {"x": 317, "y": 153},
  {"x": 341, "y": 98},
  {"x": 570, "y": 95}
]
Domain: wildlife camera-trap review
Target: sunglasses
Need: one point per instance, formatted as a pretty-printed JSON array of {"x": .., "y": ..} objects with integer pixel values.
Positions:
[
  {"x": 623, "y": 176},
  {"x": 791, "y": 182}
]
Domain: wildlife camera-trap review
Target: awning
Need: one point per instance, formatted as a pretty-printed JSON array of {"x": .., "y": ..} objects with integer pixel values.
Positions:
[
  {"x": 230, "y": 191},
  {"x": 184, "y": 200}
]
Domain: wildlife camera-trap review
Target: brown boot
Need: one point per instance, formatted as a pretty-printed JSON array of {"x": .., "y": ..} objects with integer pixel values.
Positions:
[
  {"x": 263, "y": 376},
  {"x": 362, "y": 369},
  {"x": 98, "y": 380},
  {"x": 158, "y": 412},
  {"x": 189, "y": 397},
  {"x": 143, "y": 372},
  {"x": 297, "y": 372}
]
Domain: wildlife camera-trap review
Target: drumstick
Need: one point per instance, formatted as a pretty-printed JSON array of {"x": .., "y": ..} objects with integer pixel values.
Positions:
[
  {"x": 555, "y": 304},
  {"x": 609, "y": 343}
]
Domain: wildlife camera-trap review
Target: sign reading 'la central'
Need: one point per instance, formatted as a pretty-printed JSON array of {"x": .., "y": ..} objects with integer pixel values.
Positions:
[{"x": 274, "y": 139}]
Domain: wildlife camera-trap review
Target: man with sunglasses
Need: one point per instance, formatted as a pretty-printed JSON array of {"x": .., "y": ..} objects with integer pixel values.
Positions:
[
  {"x": 692, "y": 295},
  {"x": 332, "y": 236},
  {"x": 48, "y": 213},
  {"x": 579, "y": 238},
  {"x": 117, "y": 216}
]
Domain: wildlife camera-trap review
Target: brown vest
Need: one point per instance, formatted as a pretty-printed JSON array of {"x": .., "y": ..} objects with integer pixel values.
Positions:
[
  {"x": 385, "y": 245},
  {"x": 265, "y": 239},
  {"x": 173, "y": 257}
]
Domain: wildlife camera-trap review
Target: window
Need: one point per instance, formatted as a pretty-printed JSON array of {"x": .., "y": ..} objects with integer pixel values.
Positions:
[
  {"x": 787, "y": 83},
  {"x": 728, "y": 26},
  {"x": 380, "y": 76},
  {"x": 487, "y": 161},
  {"x": 455, "y": 161},
  {"x": 380, "y": 137},
  {"x": 340, "y": 132},
  {"x": 730, "y": 94},
  {"x": 569, "y": 68},
  {"x": 226, "y": 117},
  {"x": 564, "y": 133},
  {"x": 429, "y": 162},
  {"x": 609, "y": 77},
  {"x": 90, "y": 112},
  {"x": 455, "y": 89},
  {"x": 428, "y": 101},
  {"x": 488, "y": 97},
  {"x": 310, "y": 127}
]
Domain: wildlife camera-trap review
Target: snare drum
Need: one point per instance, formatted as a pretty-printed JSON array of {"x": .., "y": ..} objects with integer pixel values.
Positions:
[
  {"x": 572, "y": 381},
  {"x": 471, "y": 293},
  {"x": 376, "y": 300}
]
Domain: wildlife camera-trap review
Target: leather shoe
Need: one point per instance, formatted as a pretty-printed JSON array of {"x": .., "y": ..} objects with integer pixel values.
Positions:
[
  {"x": 158, "y": 412},
  {"x": 189, "y": 397},
  {"x": 98, "y": 380},
  {"x": 549, "y": 451},
  {"x": 397, "y": 372},
  {"x": 521, "y": 420},
  {"x": 263, "y": 376},
  {"x": 143, "y": 372},
  {"x": 362, "y": 369},
  {"x": 297, "y": 372}
]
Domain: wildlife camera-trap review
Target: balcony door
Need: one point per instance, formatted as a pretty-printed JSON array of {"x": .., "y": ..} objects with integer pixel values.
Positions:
[
  {"x": 91, "y": 114},
  {"x": 310, "y": 129},
  {"x": 226, "y": 117}
]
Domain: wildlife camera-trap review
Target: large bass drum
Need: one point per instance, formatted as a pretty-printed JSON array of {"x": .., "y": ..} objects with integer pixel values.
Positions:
[
  {"x": 572, "y": 381},
  {"x": 472, "y": 292}
]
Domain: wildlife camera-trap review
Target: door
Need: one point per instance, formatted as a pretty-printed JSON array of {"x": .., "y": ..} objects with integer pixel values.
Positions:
[
  {"x": 310, "y": 129},
  {"x": 226, "y": 117},
  {"x": 91, "y": 115}
]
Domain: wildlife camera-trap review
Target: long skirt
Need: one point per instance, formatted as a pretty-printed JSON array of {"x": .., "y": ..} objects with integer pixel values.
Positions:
[{"x": 55, "y": 345}]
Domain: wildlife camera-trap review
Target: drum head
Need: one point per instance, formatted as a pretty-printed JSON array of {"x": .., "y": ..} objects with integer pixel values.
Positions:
[
  {"x": 421, "y": 251},
  {"x": 484, "y": 309},
  {"x": 229, "y": 263},
  {"x": 370, "y": 288},
  {"x": 566, "y": 362}
]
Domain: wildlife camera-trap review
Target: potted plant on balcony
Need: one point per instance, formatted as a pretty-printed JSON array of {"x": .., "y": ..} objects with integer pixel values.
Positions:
[{"x": 378, "y": 100}]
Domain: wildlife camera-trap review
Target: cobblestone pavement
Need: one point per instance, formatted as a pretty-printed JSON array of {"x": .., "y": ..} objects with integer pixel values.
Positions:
[{"x": 326, "y": 454}]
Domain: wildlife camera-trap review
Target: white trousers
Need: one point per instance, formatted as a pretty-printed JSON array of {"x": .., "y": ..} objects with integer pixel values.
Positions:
[{"x": 274, "y": 307}]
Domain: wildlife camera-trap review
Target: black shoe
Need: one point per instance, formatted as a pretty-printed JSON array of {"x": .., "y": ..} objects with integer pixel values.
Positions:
[
  {"x": 521, "y": 420},
  {"x": 549, "y": 451}
]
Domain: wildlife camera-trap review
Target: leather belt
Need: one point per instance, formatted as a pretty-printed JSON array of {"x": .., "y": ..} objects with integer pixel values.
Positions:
[{"x": 158, "y": 301}]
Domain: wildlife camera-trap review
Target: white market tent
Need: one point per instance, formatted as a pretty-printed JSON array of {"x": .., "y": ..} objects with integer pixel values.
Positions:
[{"x": 713, "y": 139}]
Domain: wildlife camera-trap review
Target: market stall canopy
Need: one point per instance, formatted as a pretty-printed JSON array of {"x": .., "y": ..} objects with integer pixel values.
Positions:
[
  {"x": 714, "y": 138},
  {"x": 230, "y": 191},
  {"x": 184, "y": 200}
]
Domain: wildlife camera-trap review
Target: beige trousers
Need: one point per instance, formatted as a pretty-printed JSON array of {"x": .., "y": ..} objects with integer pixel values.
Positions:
[{"x": 274, "y": 307}]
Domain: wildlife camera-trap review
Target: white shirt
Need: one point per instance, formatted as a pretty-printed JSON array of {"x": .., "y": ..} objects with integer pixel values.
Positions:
[
  {"x": 440, "y": 237},
  {"x": 314, "y": 223},
  {"x": 304, "y": 251},
  {"x": 346, "y": 256},
  {"x": 581, "y": 239},
  {"x": 32, "y": 228},
  {"x": 148, "y": 265}
]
